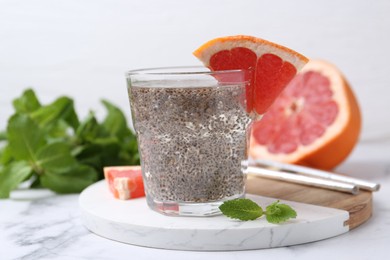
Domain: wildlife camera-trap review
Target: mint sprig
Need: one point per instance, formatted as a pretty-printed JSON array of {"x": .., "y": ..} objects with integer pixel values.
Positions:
[
  {"x": 246, "y": 209},
  {"x": 278, "y": 213},
  {"x": 49, "y": 145}
]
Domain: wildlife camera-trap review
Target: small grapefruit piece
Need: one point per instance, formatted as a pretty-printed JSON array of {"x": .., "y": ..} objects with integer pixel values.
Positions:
[
  {"x": 271, "y": 65},
  {"x": 316, "y": 120},
  {"x": 125, "y": 182}
]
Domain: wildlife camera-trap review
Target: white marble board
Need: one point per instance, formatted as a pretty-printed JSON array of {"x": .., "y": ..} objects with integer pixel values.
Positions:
[{"x": 132, "y": 222}]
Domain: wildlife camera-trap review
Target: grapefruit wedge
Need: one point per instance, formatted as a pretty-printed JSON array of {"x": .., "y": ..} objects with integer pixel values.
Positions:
[
  {"x": 316, "y": 120},
  {"x": 271, "y": 65},
  {"x": 125, "y": 182}
]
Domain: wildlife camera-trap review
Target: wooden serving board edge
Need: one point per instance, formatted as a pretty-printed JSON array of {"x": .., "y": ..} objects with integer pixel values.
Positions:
[{"x": 359, "y": 206}]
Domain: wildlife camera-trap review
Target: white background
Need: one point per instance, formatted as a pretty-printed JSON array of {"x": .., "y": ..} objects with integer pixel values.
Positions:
[{"x": 83, "y": 48}]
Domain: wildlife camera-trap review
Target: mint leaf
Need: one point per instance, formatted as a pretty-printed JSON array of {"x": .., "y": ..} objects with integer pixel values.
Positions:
[
  {"x": 5, "y": 155},
  {"x": 62, "y": 153},
  {"x": 89, "y": 129},
  {"x": 73, "y": 181},
  {"x": 58, "y": 131},
  {"x": 89, "y": 154},
  {"x": 3, "y": 136},
  {"x": 242, "y": 209},
  {"x": 24, "y": 137},
  {"x": 129, "y": 151},
  {"x": 104, "y": 152},
  {"x": 115, "y": 122},
  {"x": 61, "y": 109},
  {"x": 56, "y": 158},
  {"x": 277, "y": 213},
  {"x": 27, "y": 103},
  {"x": 12, "y": 175},
  {"x": 246, "y": 209}
]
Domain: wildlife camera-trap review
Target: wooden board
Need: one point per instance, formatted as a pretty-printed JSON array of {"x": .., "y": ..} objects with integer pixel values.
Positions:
[{"x": 359, "y": 206}]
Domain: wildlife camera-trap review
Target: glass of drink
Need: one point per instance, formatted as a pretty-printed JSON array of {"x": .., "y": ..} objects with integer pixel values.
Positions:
[{"x": 191, "y": 126}]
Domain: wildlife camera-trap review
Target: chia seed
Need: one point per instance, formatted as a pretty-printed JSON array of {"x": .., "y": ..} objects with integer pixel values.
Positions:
[{"x": 191, "y": 141}]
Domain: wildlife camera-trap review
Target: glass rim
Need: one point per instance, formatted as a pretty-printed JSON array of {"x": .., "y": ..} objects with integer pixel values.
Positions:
[{"x": 181, "y": 70}]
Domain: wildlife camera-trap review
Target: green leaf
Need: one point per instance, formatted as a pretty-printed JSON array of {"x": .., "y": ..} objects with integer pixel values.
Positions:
[
  {"x": 12, "y": 175},
  {"x": 111, "y": 154},
  {"x": 27, "y": 103},
  {"x": 103, "y": 152},
  {"x": 129, "y": 152},
  {"x": 93, "y": 158},
  {"x": 64, "y": 160},
  {"x": 71, "y": 118},
  {"x": 5, "y": 155},
  {"x": 56, "y": 158},
  {"x": 61, "y": 108},
  {"x": 90, "y": 154},
  {"x": 3, "y": 136},
  {"x": 72, "y": 181},
  {"x": 277, "y": 213},
  {"x": 58, "y": 131},
  {"x": 24, "y": 137},
  {"x": 242, "y": 209},
  {"x": 89, "y": 129},
  {"x": 115, "y": 122}
]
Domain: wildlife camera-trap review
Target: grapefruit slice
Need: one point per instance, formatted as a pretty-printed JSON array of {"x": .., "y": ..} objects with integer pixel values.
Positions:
[
  {"x": 316, "y": 120},
  {"x": 271, "y": 65},
  {"x": 125, "y": 182}
]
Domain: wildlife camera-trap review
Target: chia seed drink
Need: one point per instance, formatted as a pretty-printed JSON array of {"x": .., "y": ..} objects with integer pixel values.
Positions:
[{"x": 192, "y": 139}]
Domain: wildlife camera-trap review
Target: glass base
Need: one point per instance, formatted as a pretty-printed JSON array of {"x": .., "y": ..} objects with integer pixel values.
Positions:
[{"x": 171, "y": 208}]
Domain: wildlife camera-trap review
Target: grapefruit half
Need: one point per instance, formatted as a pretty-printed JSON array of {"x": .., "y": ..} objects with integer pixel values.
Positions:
[
  {"x": 271, "y": 65},
  {"x": 316, "y": 120}
]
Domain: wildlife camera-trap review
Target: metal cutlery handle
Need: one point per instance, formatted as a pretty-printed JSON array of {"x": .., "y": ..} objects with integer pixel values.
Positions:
[
  {"x": 306, "y": 180},
  {"x": 301, "y": 170}
]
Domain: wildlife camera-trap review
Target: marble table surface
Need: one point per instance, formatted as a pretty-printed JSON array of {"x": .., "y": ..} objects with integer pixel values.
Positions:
[{"x": 43, "y": 225}]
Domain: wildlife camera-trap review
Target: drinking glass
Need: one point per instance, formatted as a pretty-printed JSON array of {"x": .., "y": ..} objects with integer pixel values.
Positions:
[{"x": 191, "y": 125}]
